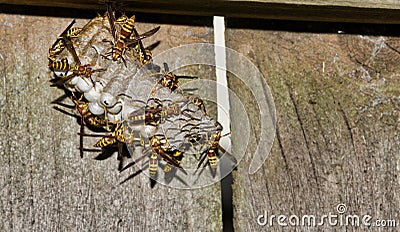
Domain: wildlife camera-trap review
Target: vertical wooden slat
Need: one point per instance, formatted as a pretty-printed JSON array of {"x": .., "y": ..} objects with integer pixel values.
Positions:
[
  {"x": 45, "y": 185},
  {"x": 337, "y": 141}
]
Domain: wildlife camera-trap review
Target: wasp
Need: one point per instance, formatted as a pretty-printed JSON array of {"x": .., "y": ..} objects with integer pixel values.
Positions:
[
  {"x": 156, "y": 114},
  {"x": 153, "y": 161},
  {"x": 153, "y": 114},
  {"x": 169, "y": 80},
  {"x": 153, "y": 164},
  {"x": 116, "y": 136},
  {"x": 106, "y": 141},
  {"x": 175, "y": 109},
  {"x": 128, "y": 28},
  {"x": 55, "y": 50},
  {"x": 128, "y": 36},
  {"x": 59, "y": 44},
  {"x": 121, "y": 19},
  {"x": 199, "y": 103},
  {"x": 163, "y": 149},
  {"x": 212, "y": 155},
  {"x": 60, "y": 65},
  {"x": 144, "y": 55},
  {"x": 148, "y": 115},
  {"x": 87, "y": 117},
  {"x": 170, "y": 110},
  {"x": 212, "y": 152},
  {"x": 214, "y": 145},
  {"x": 145, "y": 116},
  {"x": 77, "y": 70}
]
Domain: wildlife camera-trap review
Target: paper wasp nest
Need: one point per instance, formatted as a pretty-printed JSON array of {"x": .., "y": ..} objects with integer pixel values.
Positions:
[{"x": 135, "y": 100}]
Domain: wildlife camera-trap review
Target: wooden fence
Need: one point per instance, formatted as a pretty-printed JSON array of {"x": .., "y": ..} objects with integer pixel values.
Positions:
[{"x": 336, "y": 90}]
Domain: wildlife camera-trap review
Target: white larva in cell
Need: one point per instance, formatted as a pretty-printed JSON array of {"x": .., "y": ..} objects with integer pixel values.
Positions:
[
  {"x": 116, "y": 108},
  {"x": 95, "y": 108},
  {"x": 114, "y": 117},
  {"x": 93, "y": 95},
  {"x": 74, "y": 80},
  {"x": 107, "y": 100},
  {"x": 83, "y": 86},
  {"x": 99, "y": 86}
]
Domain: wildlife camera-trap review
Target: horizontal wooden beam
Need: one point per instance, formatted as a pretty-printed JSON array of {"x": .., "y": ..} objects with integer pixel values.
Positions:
[{"x": 358, "y": 11}]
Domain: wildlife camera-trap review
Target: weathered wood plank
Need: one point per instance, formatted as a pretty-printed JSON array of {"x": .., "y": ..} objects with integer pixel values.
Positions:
[
  {"x": 44, "y": 184},
  {"x": 337, "y": 139},
  {"x": 371, "y": 11}
]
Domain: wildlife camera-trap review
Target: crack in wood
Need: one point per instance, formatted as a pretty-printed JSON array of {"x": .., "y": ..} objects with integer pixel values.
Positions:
[
  {"x": 278, "y": 136},
  {"x": 314, "y": 170}
]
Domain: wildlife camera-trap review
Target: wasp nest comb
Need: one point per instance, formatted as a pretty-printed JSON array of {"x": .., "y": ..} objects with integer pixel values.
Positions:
[{"x": 110, "y": 77}]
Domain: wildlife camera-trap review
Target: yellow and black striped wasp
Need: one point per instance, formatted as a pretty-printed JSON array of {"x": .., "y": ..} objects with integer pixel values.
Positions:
[
  {"x": 85, "y": 71},
  {"x": 118, "y": 135},
  {"x": 87, "y": 117},
  {"x": 154, "y": 161},
  {"x": 199, "y": 103},
  {"x": 84, "y": 115},
  {"x": 214, "y": 147},
  {"x": 161, "y": 147},
  {"x": 59, "y": 44},
  {"x": 153, "y": 164},
  {"x": 127, "y": 37},
  {"x": 169, "y": 80},
  {"x": 155, "y": 112}
]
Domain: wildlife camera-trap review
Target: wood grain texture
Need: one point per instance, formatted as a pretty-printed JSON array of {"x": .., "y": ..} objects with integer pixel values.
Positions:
[
  {"x": 337, "y": 137},
  {"x": 44, "y": 184},
  {"x": 371, "y": 11},
  {"x": 337, "y": 127}
]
